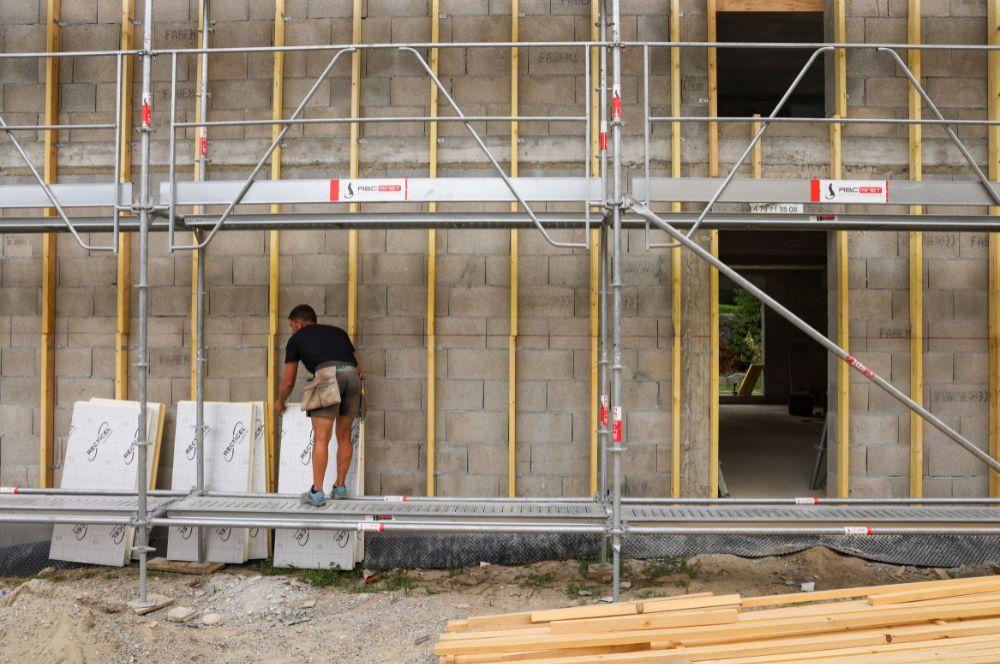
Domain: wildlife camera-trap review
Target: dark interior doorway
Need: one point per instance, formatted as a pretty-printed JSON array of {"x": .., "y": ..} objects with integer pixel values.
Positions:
[
  {"x": 753, "y": 80},
  {"x": 768, "y": 436}
]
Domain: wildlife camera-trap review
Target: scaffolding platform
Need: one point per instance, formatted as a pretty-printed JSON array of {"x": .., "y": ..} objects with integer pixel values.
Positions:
[
  {"x": 826, "y": 515},
  {"x": 76, "y": 508}
]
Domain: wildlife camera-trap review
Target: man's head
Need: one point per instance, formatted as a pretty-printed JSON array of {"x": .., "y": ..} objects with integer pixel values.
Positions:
[{"x": 301, "y": 316}]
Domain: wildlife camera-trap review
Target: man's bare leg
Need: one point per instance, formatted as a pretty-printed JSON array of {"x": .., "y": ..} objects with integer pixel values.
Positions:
[
  {"x": 345, "y": 450},
  {"x": 322, "y": 431}
]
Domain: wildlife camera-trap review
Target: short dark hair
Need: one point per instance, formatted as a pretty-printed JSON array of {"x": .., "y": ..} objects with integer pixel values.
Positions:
[{"x": 303, "y": 312}]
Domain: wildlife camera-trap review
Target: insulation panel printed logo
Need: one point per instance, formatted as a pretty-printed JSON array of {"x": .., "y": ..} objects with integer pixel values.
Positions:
[
  {"x": 368, "y": 191},
  {"x": 849, "y": 191}
]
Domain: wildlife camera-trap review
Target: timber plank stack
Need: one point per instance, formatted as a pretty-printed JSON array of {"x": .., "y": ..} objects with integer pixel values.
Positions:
[{"x": 929, "y": 621}]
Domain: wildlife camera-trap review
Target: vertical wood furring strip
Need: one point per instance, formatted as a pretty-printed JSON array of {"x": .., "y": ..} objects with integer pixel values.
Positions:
[
  {"x": 432, "y": 258},
  {"x": 123, "y": 287},
  {"x": 916, "y": 265},
  {"x": 595, "y": 251},
  {"x": 46, "y": 460},
  {"x": 515, "y": 11},
  {"x": 675, "y": 257},
  {"x": 842, "y": 260},
  {"x": 274, "y": 253}
]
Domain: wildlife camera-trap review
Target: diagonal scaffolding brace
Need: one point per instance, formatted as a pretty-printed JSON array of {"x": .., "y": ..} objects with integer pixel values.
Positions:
[
  {"x": 116, "y": 206},
  {"x": 814, "y": 334},
  {"x": 253, "y": 175},
  {"x": 496, "y": 165}
]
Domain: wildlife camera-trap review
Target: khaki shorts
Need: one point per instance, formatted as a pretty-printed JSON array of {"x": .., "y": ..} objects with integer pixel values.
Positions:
[{"x": 350, "y": 396}]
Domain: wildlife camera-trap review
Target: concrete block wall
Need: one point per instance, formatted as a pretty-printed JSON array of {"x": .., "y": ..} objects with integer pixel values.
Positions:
[{"x": 473, "y": 274}]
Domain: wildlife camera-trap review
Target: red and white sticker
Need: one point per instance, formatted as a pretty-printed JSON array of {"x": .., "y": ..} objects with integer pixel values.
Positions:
[
  {"x": 203, "y": 142},
  {"x": 807, "y": 501},
  {"x": 604, "y": 410},
  {"x": 616, "y": 103},
  {"x": 394, "y": 499},
  {"x": 9, "y": 489},
  {"x": 858, "y": 530},
  {"x": 147, "y": 110},
  {"x": 616, "y": 427},
  {"x": 371, "y": 527},
  {"x": 368, "y": 191},
  {"x": 604, "y": 136},
  {"x": 853, "y": 361},
  {"x": 849, "y": 191}
]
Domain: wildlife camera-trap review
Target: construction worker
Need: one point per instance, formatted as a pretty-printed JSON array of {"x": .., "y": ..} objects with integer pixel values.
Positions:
[{"x": 333, "y": 395}]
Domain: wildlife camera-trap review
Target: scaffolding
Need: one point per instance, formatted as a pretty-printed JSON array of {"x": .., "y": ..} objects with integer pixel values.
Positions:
[{"x": 608, "y": 205}]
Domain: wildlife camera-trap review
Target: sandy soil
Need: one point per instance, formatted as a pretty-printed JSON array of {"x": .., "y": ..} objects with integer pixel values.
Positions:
[{"x": 268, "y": 616}]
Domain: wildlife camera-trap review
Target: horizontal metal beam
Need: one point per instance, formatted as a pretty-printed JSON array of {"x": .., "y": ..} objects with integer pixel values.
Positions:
[
  {"x": 69, "y": 195},
  {"x": 899, "y": 192},
  {"x": 384, "y": 190},
  {"x": 486, "y": 220}
]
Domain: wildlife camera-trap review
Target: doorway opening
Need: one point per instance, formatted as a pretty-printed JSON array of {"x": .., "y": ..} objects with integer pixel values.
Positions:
[
  {"x": 772, "y": 378},
  {"x": 753, "y": 80}
]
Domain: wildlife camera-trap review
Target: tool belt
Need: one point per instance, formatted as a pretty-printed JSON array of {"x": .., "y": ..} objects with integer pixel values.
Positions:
[{"x": 323, "y": 390}]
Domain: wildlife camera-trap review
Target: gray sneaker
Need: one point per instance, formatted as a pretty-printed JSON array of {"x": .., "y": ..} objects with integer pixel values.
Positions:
[
  {"x": 338, "y": 492},
  {"x": 314, "y": 498}
]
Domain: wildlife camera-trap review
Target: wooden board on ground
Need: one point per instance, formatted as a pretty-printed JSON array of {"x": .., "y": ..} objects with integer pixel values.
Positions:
[
  {"x": 954, "y": 621},
  {"x": 183, "y": 566}
]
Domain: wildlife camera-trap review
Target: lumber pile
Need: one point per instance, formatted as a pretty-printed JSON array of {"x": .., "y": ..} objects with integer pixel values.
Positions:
[{"x": 952, "y": 621}]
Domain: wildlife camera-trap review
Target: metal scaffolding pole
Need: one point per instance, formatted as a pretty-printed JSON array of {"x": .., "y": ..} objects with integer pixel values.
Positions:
[
  {"x": 602, "y": 430},
  {"x": 199, "y": 257},
  {"x": 145, "y": 217},
  {"x": 616, "y": 291}
]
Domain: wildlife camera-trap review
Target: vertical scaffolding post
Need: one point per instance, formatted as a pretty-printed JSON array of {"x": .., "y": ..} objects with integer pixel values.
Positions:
[
  {"x": 515, "y": 137},
  {"x": 916, "y": 265},
  {"x": 432, "y": 252},
  {"x": 50, "y": 247},
  {"x": 201, "y": 159},
  {"x": 603, "y": 245},
  {"x": 274, "y": 254},
  {"x": 993, "y": 144},
  {"x": 145, "y": 215},
  {"x": 124, "y": 284},
  {"x": 616, "y": 291}
]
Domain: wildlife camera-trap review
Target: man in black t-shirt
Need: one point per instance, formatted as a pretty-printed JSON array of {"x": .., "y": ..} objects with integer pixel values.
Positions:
[{"x": 324, "y": 347}]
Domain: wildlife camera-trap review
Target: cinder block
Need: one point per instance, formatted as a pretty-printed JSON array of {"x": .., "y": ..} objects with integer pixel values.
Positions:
[
  {"x": 487, "y": 486},
  {"x": 957, "y": 274},
  {"x": 477, "y": 427},
  {"x": 237, "y": 301},
  {"x": 888, "y": 461},
  {"x": 19, "y": 301},
  {"x": 479, "y": 301},
  {"x": 237, "y": 362},
  {"x": 547, "y": 301},
  {"x": 400, "y": 425},
  {"x": 19, "y": 12},
  {"x": 461, "y": 332},
  {"x": 970, "y": 487},
  {"x": 545, "y": 365},
  {"x": 460, "y": 394},
  {"x": 550, "y": 427},
  {"x": 394, "y": 394},
  {"x": 970, "y": 304},
  {"x": 406, "y": 363},
  {"x": 564, "y": 395},
  {"x": 483, "y": 364}
]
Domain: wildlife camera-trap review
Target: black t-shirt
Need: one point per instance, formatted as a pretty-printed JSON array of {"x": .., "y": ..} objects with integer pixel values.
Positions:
[{"x": 315, "y": 344}]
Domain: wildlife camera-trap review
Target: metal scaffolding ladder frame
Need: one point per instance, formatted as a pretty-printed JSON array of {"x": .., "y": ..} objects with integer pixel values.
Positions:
[{"x": 608, "y": 514}]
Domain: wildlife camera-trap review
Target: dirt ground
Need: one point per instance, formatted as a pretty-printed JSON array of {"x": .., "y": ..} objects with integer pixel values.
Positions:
[{"x": 275, "y": 616}]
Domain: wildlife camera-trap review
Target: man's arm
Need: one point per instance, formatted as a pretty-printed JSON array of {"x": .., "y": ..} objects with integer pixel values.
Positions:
[{"x": 287, "y": 385}]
